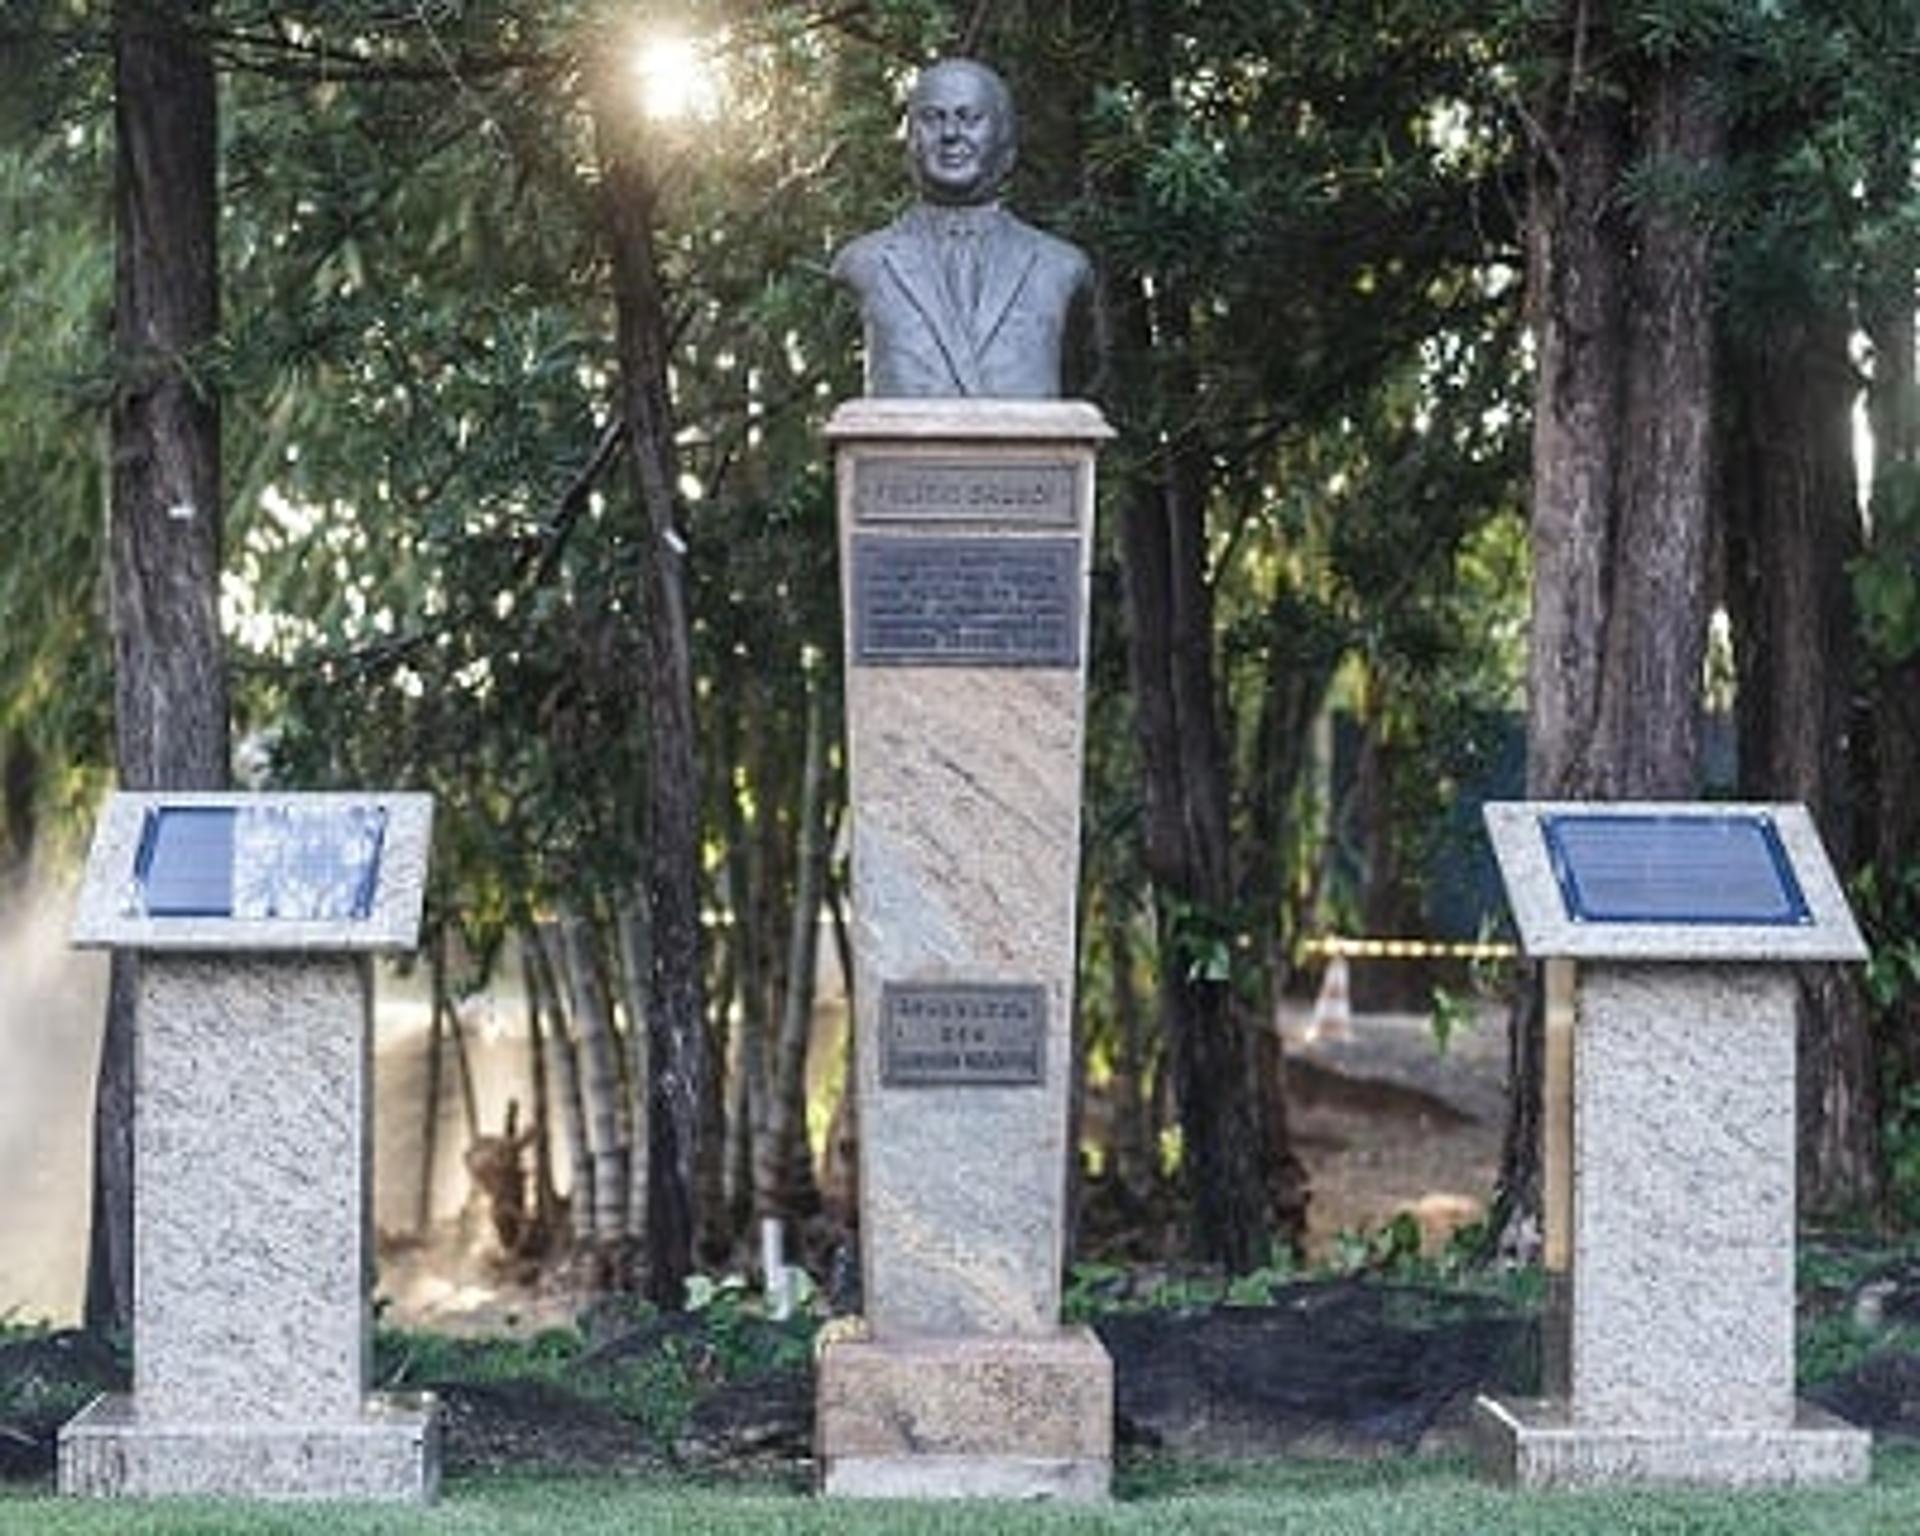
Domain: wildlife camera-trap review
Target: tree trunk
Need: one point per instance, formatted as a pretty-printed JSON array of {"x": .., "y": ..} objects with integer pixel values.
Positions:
[
  {"x": 785, "y": 1178},
  {"x": 1893, "y": 410},
  {"x": 572, "y": 954},
  {"x": 170, "y": 683},
  {"x": 636, "y": 965},
  {"x": 1133, "y": 1143},
  {"x": 563, "y": 1065},
  {"x": 1793, "y": 531},
  {"x": 546, "y": 1195},
  {"x": 676, "y": 1028},
  {"x": 1622, "y": 461}
]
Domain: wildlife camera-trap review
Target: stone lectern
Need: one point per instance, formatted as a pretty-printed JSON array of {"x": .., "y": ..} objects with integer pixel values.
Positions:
[
  {"x": 1670, "y": 933},
  {"x": 254, "y": 917},
  {"x": 965, "y": 534}
]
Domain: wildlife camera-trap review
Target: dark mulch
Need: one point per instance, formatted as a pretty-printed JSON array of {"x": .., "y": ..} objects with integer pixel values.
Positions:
[
  {"x": 767, "y": 1420},
  {"x": 1882, "y": 1393},
  {"x": 1346, "y": 1368},
  {"x": 45, "y": 1378},
  {"x": 535, "y": 1426},
  {"x": 1350, "y": 1368}
]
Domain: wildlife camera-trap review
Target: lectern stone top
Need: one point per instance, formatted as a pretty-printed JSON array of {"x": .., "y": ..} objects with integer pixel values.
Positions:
[
  {"x": 1723, "y": 882},
  {"x": 230, "y": 870}
]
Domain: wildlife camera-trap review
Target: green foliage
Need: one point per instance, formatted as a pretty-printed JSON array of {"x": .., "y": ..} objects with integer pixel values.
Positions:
[
  {"x": 1900, "y": 1150},
  {"x": 1451, "y": 1013}
]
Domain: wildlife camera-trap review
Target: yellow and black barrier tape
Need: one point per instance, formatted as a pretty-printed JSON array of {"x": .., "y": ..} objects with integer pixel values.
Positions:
[{"x": 1332, "y": 945}]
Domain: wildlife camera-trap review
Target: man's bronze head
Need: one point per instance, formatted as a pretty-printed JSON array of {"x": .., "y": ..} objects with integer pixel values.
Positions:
[{"x": 961, "y": 132}]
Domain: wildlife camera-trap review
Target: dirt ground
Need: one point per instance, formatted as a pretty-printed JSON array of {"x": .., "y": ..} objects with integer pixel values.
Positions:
[{"x": 1386, "y": 1121}]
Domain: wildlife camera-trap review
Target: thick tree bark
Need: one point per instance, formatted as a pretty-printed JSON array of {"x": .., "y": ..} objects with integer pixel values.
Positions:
[
  {"x": 676, "y": 1027},
  {"x": 1623, "y": 472},
  {"x": 1170, "y": 663},
  {"x": 1185, "y": 770},
  {"x": 1893, "y": 410},
  {"x": 1793, "y": 530},
  {"x": 170, "y": 683}
]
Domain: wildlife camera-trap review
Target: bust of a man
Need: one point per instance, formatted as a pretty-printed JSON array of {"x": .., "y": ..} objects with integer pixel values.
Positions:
[{"x": 957, "y": 296}]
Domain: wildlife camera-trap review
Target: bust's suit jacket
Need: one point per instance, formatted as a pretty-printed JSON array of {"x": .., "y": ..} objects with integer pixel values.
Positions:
[{"x": 917, "y": 340}]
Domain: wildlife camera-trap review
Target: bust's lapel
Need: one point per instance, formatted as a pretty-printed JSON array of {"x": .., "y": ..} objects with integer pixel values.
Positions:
[
  {"x": 911, "y": 260},
  {"x": 1009, "y": 260}
]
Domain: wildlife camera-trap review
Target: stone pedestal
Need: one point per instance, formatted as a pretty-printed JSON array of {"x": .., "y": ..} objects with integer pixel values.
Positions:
[
  {"x": 1674, "y": 1359},
  {"x": 966, "y": 530},
  {"x": 252, "y": 1239}
]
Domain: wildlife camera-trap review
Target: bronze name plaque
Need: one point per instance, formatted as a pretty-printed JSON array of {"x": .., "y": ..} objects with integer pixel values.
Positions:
[
  {"x": 962, "y": 1034},
  {"x": 892, "y": 490},
  {"x": 965, "y": 602}
]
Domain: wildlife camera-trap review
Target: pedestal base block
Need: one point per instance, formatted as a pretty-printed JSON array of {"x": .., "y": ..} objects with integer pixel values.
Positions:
[
  {"x": 391, "y": 1453},
  {"x": 1010, "y": 1418},
  {"x": 1535, "y": 1444}
]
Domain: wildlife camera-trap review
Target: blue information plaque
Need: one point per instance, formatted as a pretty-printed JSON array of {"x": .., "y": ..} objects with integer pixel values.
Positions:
[
  {"x": 275, "y": 861},
  {"x": 1728, "y": 869}
]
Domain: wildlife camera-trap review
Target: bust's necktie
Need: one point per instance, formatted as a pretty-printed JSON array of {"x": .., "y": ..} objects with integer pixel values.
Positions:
[{"x": 962, "y": 250}]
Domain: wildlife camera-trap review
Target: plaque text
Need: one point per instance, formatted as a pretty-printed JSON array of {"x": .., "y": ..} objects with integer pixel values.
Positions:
[{"x": 962, "y": 1035}]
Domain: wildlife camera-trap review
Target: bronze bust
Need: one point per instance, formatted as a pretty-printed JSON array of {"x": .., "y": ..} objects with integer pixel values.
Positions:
[{"x": 957, "y": 296}]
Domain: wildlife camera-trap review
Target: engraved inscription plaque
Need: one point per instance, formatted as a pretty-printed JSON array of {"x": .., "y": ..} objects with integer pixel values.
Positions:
[
  {"x": 259, "y": 862},
  {"x": 962, "y": 1034},
  {"x": 892, "y": 490},
  {"x": 1673, "y": 869},
  {"x": 966, "y": 601}
]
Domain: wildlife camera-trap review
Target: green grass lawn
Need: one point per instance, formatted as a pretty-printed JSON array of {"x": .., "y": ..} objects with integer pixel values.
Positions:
[{"x": 1314, "y": 1498}]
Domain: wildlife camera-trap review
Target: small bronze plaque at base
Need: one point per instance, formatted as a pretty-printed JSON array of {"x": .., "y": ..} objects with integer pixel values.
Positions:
[{"x": 962, "y": 1035}]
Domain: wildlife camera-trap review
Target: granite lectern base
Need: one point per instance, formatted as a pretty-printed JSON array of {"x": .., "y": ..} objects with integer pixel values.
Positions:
[
  {"x": 1534, "y": 1444},
  {"x": 1009, "y": 1418},
  {"x": 252, "y": 1137},
  {"x": 391, "y": 1453}
]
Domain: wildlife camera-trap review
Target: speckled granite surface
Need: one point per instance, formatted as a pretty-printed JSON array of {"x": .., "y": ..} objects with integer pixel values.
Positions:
[
  {"x": 966, "y": 825},
  {"x": 966, "y": 828},
  {"x": 252, "y": 1169},
  {"x": 944, "y": 1418},
  {"x": 389, "y": 1451}
]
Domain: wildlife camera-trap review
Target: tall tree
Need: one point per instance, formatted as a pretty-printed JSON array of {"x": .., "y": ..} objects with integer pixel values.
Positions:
[
  {"x": 170, "y": 681},
  {"x": 675, "y": 1024},
  {"x": 1619, "y": 276}
]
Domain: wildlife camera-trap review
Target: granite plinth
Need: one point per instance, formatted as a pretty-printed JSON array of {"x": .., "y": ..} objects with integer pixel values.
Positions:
[
  {"x": 1682, "y": 1296},
  {"x": 252, "y": 1250},
  {"x": 388, "y": 1450},
  {"x": 962, "y": 1418},
  {"x": 1534, "y": 1443},
  {"x": 965, "y": 783}
]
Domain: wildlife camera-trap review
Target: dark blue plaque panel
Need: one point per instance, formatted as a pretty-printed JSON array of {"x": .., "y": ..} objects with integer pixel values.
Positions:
[
  {"x": 185, "y": 867},
  {"x": 1674, "y": 869},
  {"x": 259, "y": 862}
]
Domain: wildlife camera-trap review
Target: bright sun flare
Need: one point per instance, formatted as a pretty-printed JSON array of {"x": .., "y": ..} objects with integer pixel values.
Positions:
[{"x": 676, "y": 78}]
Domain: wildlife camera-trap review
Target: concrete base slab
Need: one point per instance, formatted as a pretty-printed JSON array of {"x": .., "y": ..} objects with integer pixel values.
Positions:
[
  {"x": 391, "y": 1453},
  {"x": 1534, "y": 1443},
  {"x": 980, "y": 1417}
]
